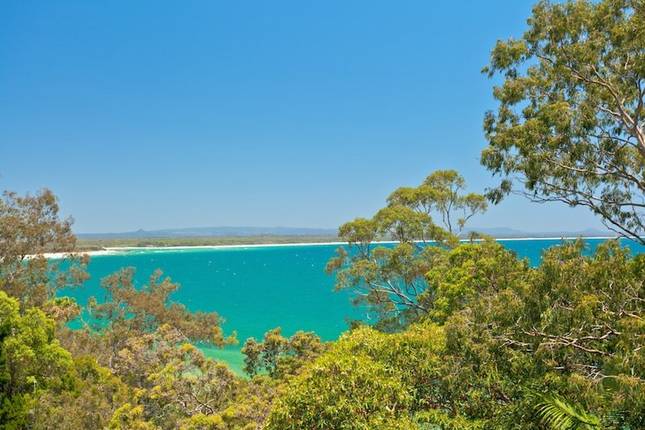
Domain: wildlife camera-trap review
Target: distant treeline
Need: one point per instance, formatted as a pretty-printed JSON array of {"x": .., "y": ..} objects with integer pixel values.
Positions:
[{"x": 97, "y": 244}]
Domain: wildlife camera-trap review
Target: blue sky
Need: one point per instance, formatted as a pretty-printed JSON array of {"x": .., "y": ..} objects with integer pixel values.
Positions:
[{"x": 155, "y": 114}]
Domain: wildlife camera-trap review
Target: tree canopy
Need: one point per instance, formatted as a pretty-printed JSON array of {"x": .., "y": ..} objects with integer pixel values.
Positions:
[
  {"x": 569, "y": 125},
  {"x": 30, "y": 226},
  {"x": 501, "y": 332},
  {"x": 131, "y": 365},
  {"x": 391, "y": 279}
]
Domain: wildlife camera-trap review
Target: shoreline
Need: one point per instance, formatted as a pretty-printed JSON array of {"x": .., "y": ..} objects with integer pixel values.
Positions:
[{"x": 119, "y": 250}]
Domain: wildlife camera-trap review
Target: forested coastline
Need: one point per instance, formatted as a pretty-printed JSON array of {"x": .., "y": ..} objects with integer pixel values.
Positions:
[{"x": 468, "y": 336}]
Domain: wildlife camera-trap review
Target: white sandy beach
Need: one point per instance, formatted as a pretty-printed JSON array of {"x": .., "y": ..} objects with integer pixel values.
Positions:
[
  {"x": 124, "y": 249},
  {"x": 57, "y": 255}
]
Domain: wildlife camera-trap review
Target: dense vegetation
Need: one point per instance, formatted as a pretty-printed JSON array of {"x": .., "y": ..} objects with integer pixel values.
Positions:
[{"x": 468, "y": 335}]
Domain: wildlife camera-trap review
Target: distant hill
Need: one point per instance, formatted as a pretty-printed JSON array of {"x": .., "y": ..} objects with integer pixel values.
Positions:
[
  {"x": 213, "y": 232},
  {"x": 509, "y": 233},
  {"x": 202, "y": 232}
]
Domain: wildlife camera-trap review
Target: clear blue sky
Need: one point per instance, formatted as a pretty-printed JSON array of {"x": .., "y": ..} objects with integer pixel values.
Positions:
[{"x": 154, "y": 114}]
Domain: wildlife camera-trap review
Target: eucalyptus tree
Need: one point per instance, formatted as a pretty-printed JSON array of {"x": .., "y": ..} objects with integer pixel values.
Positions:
[
  {"x": 442, "y": 194},
  {"x": 31, "y": 226},
  {"x": 569, "y": 125},
  {"x": 391, "y": 279}
]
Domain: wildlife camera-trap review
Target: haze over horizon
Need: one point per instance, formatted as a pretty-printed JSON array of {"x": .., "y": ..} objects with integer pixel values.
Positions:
[
  {"x": 221, "y": 231},
  {"x": 159, "y": 114}
]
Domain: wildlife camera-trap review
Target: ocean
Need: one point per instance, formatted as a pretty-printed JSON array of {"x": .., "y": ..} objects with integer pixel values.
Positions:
[{"x": 256, "y": 289}]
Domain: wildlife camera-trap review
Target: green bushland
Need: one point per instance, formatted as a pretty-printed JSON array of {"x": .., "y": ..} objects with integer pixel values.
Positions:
[{"x": 503, "y": 331}]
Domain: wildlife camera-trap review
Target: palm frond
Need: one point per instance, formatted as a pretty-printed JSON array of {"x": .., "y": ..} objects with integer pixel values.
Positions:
[{"x": 559, "y": 414}]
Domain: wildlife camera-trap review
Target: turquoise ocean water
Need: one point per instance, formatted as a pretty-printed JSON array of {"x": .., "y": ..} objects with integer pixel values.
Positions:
[{"x": 256, "y": 289}]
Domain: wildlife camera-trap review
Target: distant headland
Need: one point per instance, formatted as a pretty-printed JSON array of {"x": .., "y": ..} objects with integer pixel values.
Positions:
[{"x": 235, "y": 236}]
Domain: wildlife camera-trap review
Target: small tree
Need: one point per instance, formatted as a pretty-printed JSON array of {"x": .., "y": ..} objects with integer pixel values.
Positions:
[
  {"x": 136, "y": 319},
  {"x": 279, "y": 356},
  {"x": 442, "y": 194},
  {"x": 29, "y": 227},
  {"x": 391, "y": 279}
]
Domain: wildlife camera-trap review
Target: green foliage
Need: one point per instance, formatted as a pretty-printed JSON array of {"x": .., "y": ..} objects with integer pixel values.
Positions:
[
  {"x": 203, "y": 422},
  {"x": 460, "y": 274},
  {"x": 186, "y": 383},
  {"x": 571, "y": 326},
  {"x": 341, "y": 391},
  {"x": 138, "y": 311},
  {"x": 558, "y": 414},
  {"x": 129, "y": 417},
  {"x": 366, "y": 380},
  {"x": 442, "y": 194},
  {"x": 279, "y": 356},
  {"x": 496, "y": 331},
  {"x": 94, "y": 396},
  {"x": 31, "y": 361},
  {"x": 132, "y": 367},
  {"x": 29, "y": 227},
  {"x": 569, "y": 124},
  {"x": 62, "y": 309},
  {"x": 391, "y": 280},
  {"x": 435, "y": 419}
]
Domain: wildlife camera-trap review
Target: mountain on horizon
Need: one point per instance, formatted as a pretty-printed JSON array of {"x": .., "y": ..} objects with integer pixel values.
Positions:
[
  {"x": 509, "y": 233},
  {"x": 249, "y": 231},
  {"x": 225, "y": 231}
]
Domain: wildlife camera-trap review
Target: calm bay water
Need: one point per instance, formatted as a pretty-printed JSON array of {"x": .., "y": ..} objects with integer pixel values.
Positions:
[{"x": 260, "y": 288}]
